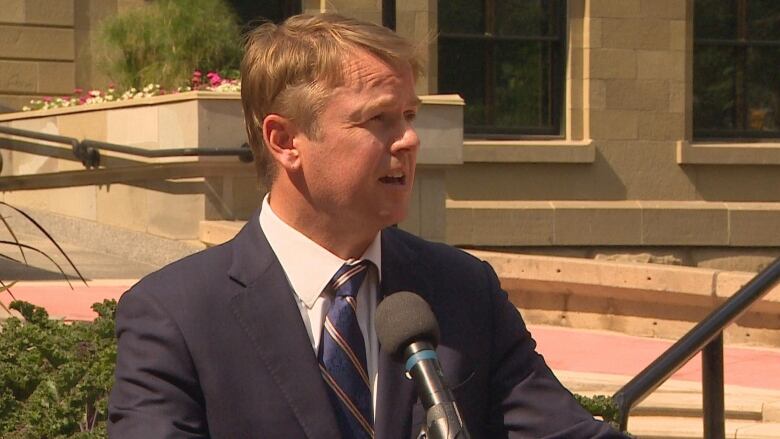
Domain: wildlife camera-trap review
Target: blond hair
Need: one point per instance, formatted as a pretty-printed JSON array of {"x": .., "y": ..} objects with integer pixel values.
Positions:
[{"x": 290, "y": 68}]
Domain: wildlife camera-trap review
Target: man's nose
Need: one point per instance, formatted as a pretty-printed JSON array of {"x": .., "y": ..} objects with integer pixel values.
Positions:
[{"x": 407, "y": 139}]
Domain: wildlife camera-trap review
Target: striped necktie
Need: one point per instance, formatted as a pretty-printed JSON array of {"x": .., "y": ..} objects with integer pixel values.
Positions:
[{"x": 342, "y": 355}]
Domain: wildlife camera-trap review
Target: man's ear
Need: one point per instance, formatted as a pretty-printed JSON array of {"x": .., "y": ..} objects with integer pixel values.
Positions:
[{"x": 279, "y": 133}]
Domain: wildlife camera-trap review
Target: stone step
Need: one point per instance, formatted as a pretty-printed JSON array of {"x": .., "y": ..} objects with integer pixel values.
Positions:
[
  {"x": 656, "y": 427},
  {"x": 674, "y": 410}
]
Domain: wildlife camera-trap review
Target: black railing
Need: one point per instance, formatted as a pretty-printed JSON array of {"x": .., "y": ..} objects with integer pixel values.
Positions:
[
  {"x": 88, "y": 151},
  {"x": 706, "y": 336}
]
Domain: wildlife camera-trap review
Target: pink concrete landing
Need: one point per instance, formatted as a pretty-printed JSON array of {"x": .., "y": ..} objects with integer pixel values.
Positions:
[
  {"x": 610, "y": 353},
  {"x": 63, "y": 302},
  {"x": 564, "y": 349}
]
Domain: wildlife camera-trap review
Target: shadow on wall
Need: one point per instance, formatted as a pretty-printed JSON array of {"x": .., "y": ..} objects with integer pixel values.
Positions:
[{"x": 536, "y": 181}]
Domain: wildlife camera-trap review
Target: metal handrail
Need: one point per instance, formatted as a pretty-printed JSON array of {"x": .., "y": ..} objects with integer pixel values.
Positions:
[
  {"x": 707, "y": 336},
  {"x": 88, "y": 151}
]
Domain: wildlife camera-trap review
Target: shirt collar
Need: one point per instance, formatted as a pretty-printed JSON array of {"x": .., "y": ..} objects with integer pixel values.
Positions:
[{"x": 308, "y": 266}]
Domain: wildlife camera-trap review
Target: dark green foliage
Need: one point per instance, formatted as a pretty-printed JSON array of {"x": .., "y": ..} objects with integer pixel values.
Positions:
[
  {"x": 166, "y": 40},
  {"x": 600, "y": 405},
  {"x": 55, "y": 376}
]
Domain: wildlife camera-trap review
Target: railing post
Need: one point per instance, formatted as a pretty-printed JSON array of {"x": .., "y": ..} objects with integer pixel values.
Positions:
[{"x": 712, "y": 389}]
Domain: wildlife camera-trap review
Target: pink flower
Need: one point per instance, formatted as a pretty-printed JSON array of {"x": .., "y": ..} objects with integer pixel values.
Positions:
[
  {"x": 214, "y": 79},
  {"x": 47, "y": 99},
  {"x": 78, "y": 91}
]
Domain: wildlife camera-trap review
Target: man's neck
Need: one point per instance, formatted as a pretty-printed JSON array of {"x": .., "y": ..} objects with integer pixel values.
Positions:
[{"x": 340, "y": 239}]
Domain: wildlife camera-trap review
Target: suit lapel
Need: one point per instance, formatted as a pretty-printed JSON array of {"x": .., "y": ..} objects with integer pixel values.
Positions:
[
  {"x": 396, "y": 394},
  {"x": 266, "y": 310}
]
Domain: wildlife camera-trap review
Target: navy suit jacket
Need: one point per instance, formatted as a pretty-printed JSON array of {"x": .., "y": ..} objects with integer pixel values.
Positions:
[{"x": 214, "y": 346}]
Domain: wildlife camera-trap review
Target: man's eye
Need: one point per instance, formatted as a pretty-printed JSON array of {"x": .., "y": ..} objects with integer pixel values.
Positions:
[
  {"x": 378, "y": 117},
  {"x": 410, "y": 116}
]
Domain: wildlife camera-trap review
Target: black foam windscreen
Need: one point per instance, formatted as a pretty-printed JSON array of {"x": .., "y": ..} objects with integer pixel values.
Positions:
[{"x": 403, "y": 318}]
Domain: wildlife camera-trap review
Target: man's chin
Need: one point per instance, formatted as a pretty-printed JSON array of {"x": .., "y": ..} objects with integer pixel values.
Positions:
[{"x": 394, "y": 218}]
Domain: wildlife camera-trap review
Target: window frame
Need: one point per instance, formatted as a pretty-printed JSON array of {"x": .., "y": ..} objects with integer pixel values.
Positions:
[
  {"x": 741, "y": 44},
  {"x": 556, "y": 84}
]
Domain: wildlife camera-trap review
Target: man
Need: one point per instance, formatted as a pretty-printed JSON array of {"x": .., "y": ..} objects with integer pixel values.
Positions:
[{"x": 257, "y": 338}]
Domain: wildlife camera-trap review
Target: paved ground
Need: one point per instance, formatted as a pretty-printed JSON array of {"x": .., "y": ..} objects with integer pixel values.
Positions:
[
  {"x": 564, "y": 349},
  {"x": 91, "y": 263}
]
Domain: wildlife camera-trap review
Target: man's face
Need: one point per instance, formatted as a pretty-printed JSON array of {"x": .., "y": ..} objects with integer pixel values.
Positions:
[{"x": 359, "y": 167}]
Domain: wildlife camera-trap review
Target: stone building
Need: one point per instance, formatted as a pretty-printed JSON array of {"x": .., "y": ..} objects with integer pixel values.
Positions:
[{"x": 639, "y": 129}]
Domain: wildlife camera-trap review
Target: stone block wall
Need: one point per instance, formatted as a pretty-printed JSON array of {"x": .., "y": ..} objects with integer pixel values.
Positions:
[
  {"x": 36, "y": 50},
  {"x": 47, "y": 47},
  {"x": 626, "y": 176}
]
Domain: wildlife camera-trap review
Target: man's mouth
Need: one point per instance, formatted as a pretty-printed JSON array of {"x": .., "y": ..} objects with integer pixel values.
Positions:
[{"x": 394, "y": 178}]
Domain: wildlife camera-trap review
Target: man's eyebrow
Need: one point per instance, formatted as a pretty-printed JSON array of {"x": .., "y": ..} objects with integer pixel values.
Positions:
[{"x": 378, "y": 104}]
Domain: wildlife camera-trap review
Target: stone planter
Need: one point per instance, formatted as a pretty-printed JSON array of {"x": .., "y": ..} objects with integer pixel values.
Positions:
[{"x": 175, "y": 208}]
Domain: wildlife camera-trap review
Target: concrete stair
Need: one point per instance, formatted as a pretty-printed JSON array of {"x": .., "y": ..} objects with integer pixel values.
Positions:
[{"x": 674, "y": 411}]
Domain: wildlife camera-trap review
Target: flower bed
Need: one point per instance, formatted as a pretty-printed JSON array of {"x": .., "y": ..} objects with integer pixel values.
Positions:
[{"x": 213, "y": 82}]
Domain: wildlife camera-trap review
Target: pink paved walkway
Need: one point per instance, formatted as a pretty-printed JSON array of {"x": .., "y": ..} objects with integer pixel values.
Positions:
[
  {"x": 610, "y": 353},
  {"x": 62, "y": 302},
  {"x": 564, "y": 349}
]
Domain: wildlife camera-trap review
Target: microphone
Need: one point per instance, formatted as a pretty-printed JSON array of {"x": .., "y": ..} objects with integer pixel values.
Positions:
[{"x": 408, "y": 330}]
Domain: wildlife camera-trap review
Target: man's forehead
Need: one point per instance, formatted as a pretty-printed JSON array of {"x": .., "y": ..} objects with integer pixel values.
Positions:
[
  {"x": 390, "y": 99},
  {"x": 362, "y": 68}
]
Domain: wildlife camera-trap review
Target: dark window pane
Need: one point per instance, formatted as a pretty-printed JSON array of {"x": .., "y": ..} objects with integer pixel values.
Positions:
[
  {"x": 527, "y": 17},
  {"x": 522, "y": 74},
  {"x": 249, "y": 11},
  {"x": 715, "y": 19},
  {"x": 462, "y": 71},
  {"x": 713, "y": 88},
  {"x": 511, "y": 85},
  {"x": 462, "y": 16},
  {"x": 736, "y": 57},
  {"x": 764, "y": 20},
  {"x": 763, "y": 85}
]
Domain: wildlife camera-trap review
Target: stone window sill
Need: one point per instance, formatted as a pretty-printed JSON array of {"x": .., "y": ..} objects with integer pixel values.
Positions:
[
  {"x": 528, "y": 151},
  {"x": 767, "y": 153}
]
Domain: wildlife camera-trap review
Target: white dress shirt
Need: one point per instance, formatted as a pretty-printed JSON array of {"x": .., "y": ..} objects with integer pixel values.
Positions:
[{"x": 309, "y": 267}]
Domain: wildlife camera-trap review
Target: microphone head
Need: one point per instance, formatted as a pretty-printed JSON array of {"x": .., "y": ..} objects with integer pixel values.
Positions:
[{"x": 402, "y": 319}]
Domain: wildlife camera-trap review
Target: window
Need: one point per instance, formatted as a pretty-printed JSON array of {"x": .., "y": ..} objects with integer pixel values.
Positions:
[
  {"x": 249, "y": 11},
  {"x": 736, "y": 75},
  {"x": 507, "y": 59}
]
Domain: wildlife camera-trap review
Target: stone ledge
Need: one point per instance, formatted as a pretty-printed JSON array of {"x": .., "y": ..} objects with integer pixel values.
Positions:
[
  {"x": 625, "y": 222},
  {"x": 517, "y": 151},
  {"x": 218, "y": 232},
  {"x": 771, "y": 411},
  {"x": 656, "y": 285},
  {"x": 162, "y": 99},
  {"x": 767, "y": 153}
]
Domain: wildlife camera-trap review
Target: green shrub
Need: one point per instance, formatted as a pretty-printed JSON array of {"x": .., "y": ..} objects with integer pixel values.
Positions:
[
  {"x": 55, "y": 377},
  {"x": 600, "y": 405},
  {"x": 165, "y": 41}
]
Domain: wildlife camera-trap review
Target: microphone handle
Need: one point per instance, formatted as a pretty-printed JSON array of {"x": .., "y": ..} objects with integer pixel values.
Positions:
[{"x": 442, "y": 418}]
